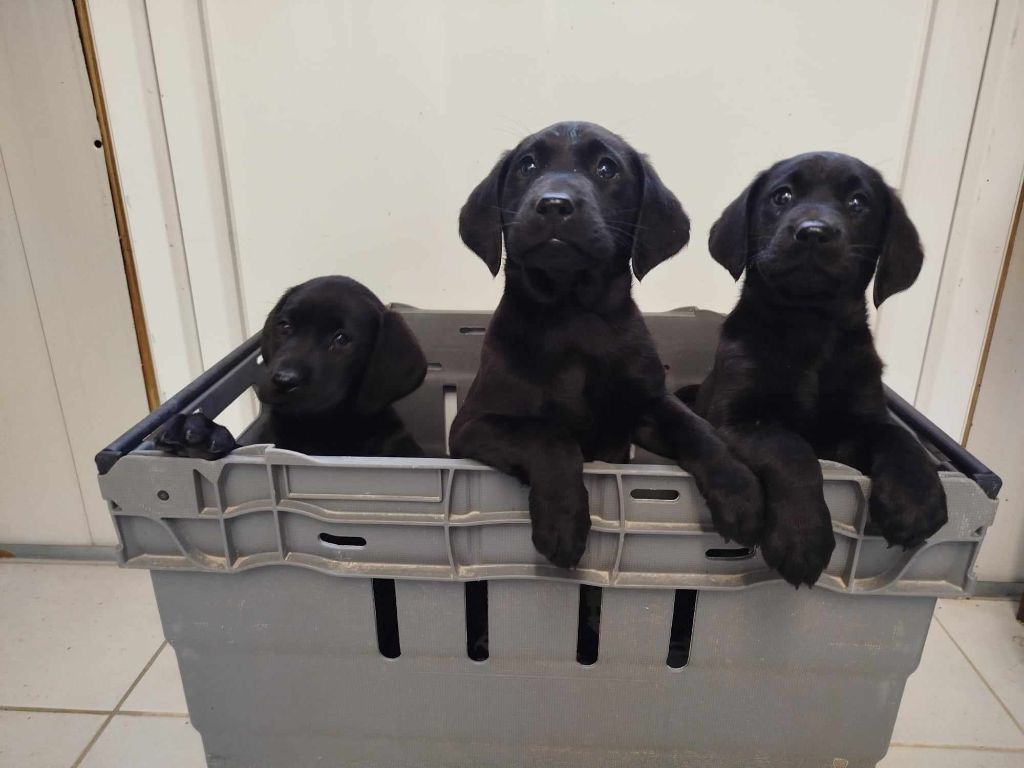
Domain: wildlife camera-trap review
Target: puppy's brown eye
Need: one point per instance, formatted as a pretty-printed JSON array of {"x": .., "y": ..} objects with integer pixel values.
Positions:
[
  {"x": 607, "y": 168},
  {"x": 284, "y": 327},
  {"x": 857, "y": 203},
  {"x": 527, "y": 166},
  {"x": 782, "y": 196},
  {"x": 340, "y": 340}
]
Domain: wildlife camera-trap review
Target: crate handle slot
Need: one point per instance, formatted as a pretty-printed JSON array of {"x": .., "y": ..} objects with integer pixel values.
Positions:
[
  {"x": 729, "y": 553},
  {"x": 472, "y": 330},
  {"x": 385, "y": 614},
  {"x": 588, "y": 628},
  {"x": 333, "y": 541},
  {"x": 654, "y": 494},
  {"x": 684, "y": 608},
  {"x": 477, "y": 632}
]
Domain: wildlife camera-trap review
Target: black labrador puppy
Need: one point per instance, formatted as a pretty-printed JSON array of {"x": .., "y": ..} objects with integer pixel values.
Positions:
[
  {"x": 796, "y": 376},
  {"x": 334, "y": 360},
  {"x": 569, "y": 372}
]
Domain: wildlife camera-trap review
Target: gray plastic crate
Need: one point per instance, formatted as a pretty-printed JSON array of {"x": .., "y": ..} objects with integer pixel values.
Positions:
[{"x": 285, "y": 666}]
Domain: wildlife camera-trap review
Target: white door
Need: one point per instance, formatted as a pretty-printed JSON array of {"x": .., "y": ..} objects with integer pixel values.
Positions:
[
  {"x": 70, "y": 376},
  {"x": 997, "y": 429}
]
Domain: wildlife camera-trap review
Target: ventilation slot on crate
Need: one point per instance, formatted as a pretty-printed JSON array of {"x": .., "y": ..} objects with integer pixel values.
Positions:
[
  {"x": 477, "y": 638},
  {"x": 332, "y": 541},
  {"x": 588, "y": 630},
  {"x": 654, "y": 494},
  {"x": 682, "y": 628},
  {"x": 729, "y": 553},
  {"x": 385, "y": 611}
]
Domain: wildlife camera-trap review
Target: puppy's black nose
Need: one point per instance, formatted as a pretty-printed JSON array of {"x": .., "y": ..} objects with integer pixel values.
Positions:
[
  {"x": 814, "y": 231},
  {"x": 286, "y": 379},
  {"x": 555, "y": 204}
]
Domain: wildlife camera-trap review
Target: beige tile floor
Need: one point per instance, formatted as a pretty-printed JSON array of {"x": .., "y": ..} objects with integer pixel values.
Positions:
[{"x": 87, "y": 680}]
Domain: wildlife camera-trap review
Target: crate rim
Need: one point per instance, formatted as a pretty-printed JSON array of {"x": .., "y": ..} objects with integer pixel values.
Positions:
[{"x": 184, "y": 402}]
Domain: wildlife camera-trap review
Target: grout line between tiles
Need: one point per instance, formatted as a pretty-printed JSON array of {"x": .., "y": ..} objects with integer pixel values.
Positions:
[
  {"x": 55, "y": 561},
  {"x": 143, "y": 713},
  {"x": 117, "y": 708},
  {"x": 970, "y": 661},
  {"x": 55, "y": 710},
  {"x": 74, "y": 711},
  {"x": 958, "y": 747},
  {"x": 92, "y": 741}
]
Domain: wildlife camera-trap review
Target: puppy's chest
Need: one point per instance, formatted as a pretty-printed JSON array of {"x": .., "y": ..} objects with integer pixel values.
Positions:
[
  {"x": 587, "y": 384},
  {"x": 807, "y": 394},
  {"x": 584, "y": 371},
  {"x": 582, "y": 388},
  {"x": 792, "y": 386},
  {"x": 333, "y": 434},
  {"x": 813, "y": 388}
]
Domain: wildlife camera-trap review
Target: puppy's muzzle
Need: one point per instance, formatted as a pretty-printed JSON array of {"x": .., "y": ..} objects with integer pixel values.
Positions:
[
  {"x": 556, "y": 206},
  {"x": 815, "y": 232},
  {"x": 287, "y": 379},
  {"x": 553, "y": 233}
]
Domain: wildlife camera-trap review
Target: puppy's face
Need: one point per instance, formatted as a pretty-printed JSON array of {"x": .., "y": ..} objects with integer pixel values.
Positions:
[
  {"x": 573, "y": 204},
  {"x": 570, "y": 200},
  {"x": 815, "y": 227},
  {"x": 316, "y": 343}
]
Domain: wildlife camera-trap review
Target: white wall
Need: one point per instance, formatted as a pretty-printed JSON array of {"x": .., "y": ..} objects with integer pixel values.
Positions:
[
  {"x": 712, "y": 100},
  {"x": 354, "y": 131}
]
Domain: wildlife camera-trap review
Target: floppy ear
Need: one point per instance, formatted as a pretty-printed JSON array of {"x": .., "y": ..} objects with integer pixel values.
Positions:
[
  {"x": 267, "y": 346},
  {"x": 901, "y": 256},
  {"x": 729, "y": 242},
  {"x": 480, "y": 218},
  {"x": 395, "y": 368},
  {"x": 662, "y": 227}
]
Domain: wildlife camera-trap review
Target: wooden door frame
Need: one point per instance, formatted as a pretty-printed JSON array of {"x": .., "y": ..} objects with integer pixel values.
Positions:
[
  {"x": 120, "y": 217},
  {"x": 1014, "y": 232}
]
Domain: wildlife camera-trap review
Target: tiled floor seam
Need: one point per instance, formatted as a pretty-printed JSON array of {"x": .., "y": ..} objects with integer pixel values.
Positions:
[
  {"x": 55, "y": 710},
  {"x": 977, "y": 671},
  {"x": 958, "y": 747},
  {"x": 117, "y": 707},
  {"x": 72, "y": 711},
  {"x": 143, "y": 713}
]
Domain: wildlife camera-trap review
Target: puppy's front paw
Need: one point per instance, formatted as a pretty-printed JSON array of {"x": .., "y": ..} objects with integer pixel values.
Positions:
[
  {"x": 734, "y": 497},
  {"x": 908, "y": 507},
  {"x": 798, "y": 542},
  {"x": 561, "y": 522},
  {"x": 196, "y": 437}
]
